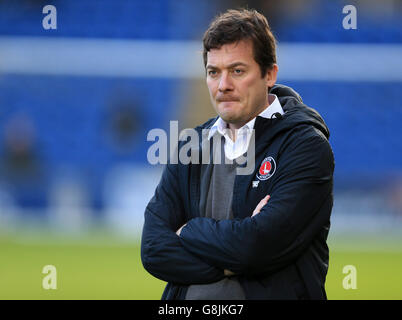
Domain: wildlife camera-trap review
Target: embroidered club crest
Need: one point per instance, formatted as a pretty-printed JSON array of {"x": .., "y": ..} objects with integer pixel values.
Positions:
[{"x": 267, "y": 169}]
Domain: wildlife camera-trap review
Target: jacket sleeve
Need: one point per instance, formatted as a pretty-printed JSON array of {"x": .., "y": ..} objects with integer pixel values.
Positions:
[
  {"x": 162, "y": 253},
  {"x": 299, "y": 207}
]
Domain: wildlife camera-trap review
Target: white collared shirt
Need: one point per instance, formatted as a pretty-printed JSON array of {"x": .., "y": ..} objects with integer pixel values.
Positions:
[{"x": 234, "y": 149}]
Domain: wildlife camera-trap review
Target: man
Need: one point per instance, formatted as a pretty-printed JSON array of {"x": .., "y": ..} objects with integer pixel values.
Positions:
[{"x": 214, "y": 234}]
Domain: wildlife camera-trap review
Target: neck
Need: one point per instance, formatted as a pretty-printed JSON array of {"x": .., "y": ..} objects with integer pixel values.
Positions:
[{"x": 235, "y": 126}]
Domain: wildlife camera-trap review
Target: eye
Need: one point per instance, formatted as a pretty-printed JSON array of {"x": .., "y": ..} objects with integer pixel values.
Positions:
[
  {"x": 238, "y": 71},
  {"x": 212, "y": 73}
]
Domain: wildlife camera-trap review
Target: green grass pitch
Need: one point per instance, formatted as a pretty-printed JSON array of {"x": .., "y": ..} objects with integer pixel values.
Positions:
[{"x": 106, "y": 269}]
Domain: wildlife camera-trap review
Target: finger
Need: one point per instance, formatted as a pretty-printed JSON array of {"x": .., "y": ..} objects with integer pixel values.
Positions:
[
  {"x": 228, "y": 273},
  {"x": 263, "y": 202},
  {"x": 260, "y": 205}
]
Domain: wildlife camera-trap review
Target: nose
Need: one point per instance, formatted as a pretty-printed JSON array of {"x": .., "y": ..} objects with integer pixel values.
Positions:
[{"x": 225, "y": 83}]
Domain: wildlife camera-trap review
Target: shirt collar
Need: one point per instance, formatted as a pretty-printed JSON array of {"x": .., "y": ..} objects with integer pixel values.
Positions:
[{"x": 269, "y": 112}]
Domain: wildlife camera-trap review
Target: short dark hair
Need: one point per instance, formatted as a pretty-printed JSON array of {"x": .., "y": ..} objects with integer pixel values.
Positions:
[{"x": 242, "y": 24}]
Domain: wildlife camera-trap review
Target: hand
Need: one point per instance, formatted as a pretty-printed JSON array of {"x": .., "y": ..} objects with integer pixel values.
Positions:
[
  {"x": 259, "y": 206},
  {"x": 228, "y": 273},
  {"x": 179, "y": 231}
]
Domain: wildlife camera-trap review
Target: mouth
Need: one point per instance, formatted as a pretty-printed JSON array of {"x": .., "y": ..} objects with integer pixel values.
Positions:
[{"x": 227, "y": 99}]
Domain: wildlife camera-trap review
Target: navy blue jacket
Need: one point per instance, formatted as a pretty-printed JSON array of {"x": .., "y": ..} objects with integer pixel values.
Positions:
[{"x": 281, "y": 253}]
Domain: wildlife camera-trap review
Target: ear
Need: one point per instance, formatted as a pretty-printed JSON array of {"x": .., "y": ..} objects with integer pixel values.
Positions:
[{"x": 270, "y": 76}]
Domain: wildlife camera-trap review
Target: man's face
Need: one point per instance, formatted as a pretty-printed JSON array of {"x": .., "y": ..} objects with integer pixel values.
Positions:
[{"x": 238, "y": 92}]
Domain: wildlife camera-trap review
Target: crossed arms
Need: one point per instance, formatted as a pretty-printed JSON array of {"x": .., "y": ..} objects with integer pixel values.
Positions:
[
  {"x": 256, "y": 211},
  {"x": 268, "y": 240}
]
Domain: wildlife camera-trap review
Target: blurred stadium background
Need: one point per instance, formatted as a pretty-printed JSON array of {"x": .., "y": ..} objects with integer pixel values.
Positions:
[{"x": 76, "y": 104}]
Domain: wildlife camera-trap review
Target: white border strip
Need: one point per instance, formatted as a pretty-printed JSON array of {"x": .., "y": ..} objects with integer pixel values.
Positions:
[
  {"x": 344, "y": 62},
  {"x": 183, "y": 59}
]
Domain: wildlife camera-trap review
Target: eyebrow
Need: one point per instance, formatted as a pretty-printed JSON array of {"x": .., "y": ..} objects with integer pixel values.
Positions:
[{"x": 232, "y": 65}]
